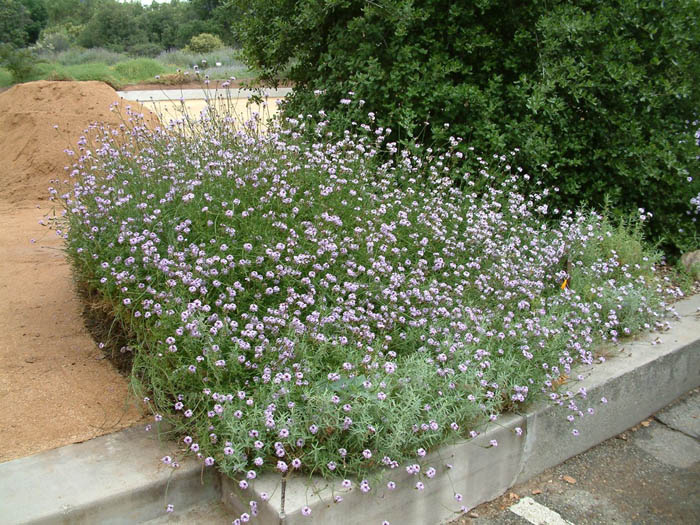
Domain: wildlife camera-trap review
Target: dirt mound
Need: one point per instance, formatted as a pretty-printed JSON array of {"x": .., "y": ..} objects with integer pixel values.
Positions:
[
  {"x": 56, "y": 387},
  {"x": 38, "y": 121}
]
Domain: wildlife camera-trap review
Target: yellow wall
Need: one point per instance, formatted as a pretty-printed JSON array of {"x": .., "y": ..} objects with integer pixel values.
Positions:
[{"x": 240, "y": 107}]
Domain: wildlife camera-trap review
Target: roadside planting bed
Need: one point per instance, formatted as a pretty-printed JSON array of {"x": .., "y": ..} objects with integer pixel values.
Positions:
[{"x": 331, "y": 306}]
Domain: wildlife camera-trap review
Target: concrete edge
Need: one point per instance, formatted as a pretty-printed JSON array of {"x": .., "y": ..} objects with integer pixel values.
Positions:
[
  {"x": 642, "y": 376},
  {"x": 175, "y": 95},
  {"x": 118, "y": 478},
  {"x": 115, "y": 478}
]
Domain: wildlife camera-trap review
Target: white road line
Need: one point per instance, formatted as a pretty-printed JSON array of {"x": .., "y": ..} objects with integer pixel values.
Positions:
[{"x": 537, "y": 514}]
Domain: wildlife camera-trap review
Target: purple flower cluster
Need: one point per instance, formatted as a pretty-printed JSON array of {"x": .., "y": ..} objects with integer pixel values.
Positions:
[{"x": 338, "y": 300}]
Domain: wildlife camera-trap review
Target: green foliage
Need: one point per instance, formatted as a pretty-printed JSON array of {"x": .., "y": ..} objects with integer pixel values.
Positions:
[
  {"x": 184, "y": 59},
  {"x": 126, "y": 71},
  {"x": 145, "y": 49},
  {"x": 5, "y": 78},
  {"x": 76, "y": 56},
  {"x": 14, "y": 22},
  {"x": 231, "y": 65},
  {"x": 119, "y": 69},
  {"x": 71, "y": 12},
  {"x": 114, "y": 26},
  {"x": 89, "y": 71},
  {"x": 21, "y": 63},
  {"x": 70, "y": 30},
  {"x": 173, "y": 25},
  {"x": 139, "y": 69},
  {"x": 21, "y": 21},
  {"x": 204, "y": 43},
  {"x": 217, "y": 16},
  {"x": 56, "y": 40},
  {"x": 603, "y": 94},
  {"x": 38, "y": 18},
  {"x": 106, "y": 23},
  {"x": 618, "y": 95},
  {"x": 96, "y": 34}
]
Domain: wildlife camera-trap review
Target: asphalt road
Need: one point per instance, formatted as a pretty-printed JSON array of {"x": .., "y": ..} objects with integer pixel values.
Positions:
[{"x": 649, "y": 474}]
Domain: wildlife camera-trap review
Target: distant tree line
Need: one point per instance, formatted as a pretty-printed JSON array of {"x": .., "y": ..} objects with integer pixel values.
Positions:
[{"x": 123, "y": 27}]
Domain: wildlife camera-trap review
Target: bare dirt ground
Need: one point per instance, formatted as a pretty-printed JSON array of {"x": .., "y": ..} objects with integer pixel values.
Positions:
[{"x": 56, "y": 387}]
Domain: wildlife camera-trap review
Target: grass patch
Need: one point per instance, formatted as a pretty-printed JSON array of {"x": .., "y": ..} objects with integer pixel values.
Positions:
[
  {"x": 220, "y": 64},
  {"x": 119, "y": 69},
  {"x": 79, "y": 56},
  {"x": 117, "y": 76},
  {"x": 90, "y": 71},
  {"x": 227, "y": 56},
  {"x": 5, "y": 77},
  {"x": 139, "y": 70},
  {"x": 334, "y": 306}
]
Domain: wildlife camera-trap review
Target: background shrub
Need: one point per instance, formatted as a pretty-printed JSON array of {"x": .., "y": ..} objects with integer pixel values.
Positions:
[
  {"x": 5, "y": 77},
  {"x": 603, "y": 94},
  {"x": 77, "y": 56},
  {"x": 145, "y": 49},
  {"x": 21, "y": 63},
  {"x": 56, "y": 41},
  {"x": 204, "y": 43}
]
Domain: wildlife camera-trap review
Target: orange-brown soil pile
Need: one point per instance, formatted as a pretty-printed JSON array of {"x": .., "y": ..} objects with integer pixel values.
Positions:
[
  {"x": 56, "y": 387},
  {"x": 38, "y": 121}
]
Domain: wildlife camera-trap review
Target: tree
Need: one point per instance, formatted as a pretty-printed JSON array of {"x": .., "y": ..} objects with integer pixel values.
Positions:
[
  {"x": 173, "y": 25},
  {"x": 75, "y": 12},
  {"x": 602, "y": 93},
  {"x": 217, "y": 15},
  {"x": 15, "y": 21},
  {"x": 38, "y": 18},
  {"x": 206, "y": 7},
  {"x": 162, "y": 22},
  {"x": 115, "y": 26}
]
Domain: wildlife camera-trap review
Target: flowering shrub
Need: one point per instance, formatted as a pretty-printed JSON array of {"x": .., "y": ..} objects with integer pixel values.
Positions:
[{"x": 334, "y": 306}]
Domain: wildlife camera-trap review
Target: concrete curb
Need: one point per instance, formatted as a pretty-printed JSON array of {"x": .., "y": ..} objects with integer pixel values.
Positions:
[
  {"x": 639, "y": 380},
  {"x": 115, "y": 478},
  {"x": 118, "y": 479},
  {"x": 200, "y": 94}
]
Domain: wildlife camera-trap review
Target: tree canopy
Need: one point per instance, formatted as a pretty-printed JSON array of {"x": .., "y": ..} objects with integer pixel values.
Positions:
[
  {"x": 21, "y": 21},
  {"x": 604, "y": 94},
  {"x": 111, "y": 24}
]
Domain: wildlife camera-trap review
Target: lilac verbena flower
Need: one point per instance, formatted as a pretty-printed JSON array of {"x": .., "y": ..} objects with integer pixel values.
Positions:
[{"x": 295, "y": 290}]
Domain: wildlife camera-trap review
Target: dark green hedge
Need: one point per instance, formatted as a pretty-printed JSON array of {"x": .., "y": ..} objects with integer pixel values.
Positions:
[{"x": 603, "y": 92}]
